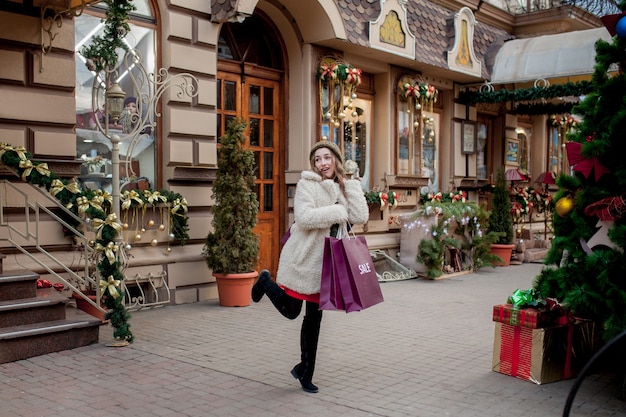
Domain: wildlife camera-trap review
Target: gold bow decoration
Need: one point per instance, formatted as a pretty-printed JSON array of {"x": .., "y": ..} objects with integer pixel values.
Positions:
[
  {"x": 83, "y": 205},
  {"x": 179, "y": 203},
  {"x": 154, "y": 197},
  {"x": 43, "y": 169},
  {"x": 109, "y": 251},
  {"x": 104, "y": 196},
  {"x": 111, "y": 221},
  {"x": 19, "y": 150},
  {"x": 57, "y": 186},
  {"x": 110, "y": 285},
  {"x": 27, "y": 166},
  {"x": 128, "y": 197}
]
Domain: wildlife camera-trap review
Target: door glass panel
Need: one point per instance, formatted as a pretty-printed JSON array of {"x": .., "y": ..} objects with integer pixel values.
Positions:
[
  {"x": 257, "y": 163},
  {"x": 255, "y": 94},
  {"x": 257, "y": 188},
  {"x": 268, "y": 197},
  {"x": 268, "y": 165},
  {"x": 268, "y": 101},
  {"x": 254, "y": 132},
  {"x": 230, "y": 95},
  {"x": 268, "y": 133},
  {"x": 227, "y": 119}
]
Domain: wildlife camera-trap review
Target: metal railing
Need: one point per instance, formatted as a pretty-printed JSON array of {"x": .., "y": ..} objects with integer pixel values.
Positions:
[{"x": 28, "y": 229}]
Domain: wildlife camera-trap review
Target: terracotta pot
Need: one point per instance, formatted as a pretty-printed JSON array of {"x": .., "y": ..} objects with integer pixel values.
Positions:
[
  {"x": 235, "y": 290},
  {"x": 504, "y": 252},
  {"x": 87, "y": 307}
]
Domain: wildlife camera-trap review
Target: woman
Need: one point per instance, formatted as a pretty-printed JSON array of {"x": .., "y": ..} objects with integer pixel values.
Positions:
[{"x": 325, "y": 199}]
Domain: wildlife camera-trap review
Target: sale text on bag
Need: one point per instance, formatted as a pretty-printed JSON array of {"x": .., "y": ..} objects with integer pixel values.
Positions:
[{"x": 365, "y": 268}]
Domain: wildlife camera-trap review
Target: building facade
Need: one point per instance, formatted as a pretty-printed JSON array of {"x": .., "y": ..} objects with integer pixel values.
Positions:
[{"x": 384, "y": 79}]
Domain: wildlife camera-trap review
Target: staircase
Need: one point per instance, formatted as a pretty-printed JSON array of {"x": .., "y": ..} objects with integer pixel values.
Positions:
[{"x": 36, "y": 321}]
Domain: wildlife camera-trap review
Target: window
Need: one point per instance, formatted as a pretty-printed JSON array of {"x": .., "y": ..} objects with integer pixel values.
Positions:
[
  {"x": 417, "y": 134},
  {"x": 346, "y": 118},
  {"x": 137, "y": 156}
]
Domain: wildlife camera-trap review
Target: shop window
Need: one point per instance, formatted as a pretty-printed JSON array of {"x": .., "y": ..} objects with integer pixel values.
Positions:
[
  {"x": 137, "y": 157},
  {"x": 559, "y": 126},
  {"x": 345, "y": 117},
  {"x": 417, "y": 131},
  {"x": 523, "y": 136}
]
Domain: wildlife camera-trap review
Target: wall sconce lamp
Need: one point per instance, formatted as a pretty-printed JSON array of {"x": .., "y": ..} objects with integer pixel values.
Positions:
[{"x": 52, "y": 14}]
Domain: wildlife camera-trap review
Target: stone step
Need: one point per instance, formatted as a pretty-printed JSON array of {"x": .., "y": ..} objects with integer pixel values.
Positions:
[
  {"x": 46, "y": 306},
  {"x": 28, "y": 340},
  {"x": 18, "y": 284}
]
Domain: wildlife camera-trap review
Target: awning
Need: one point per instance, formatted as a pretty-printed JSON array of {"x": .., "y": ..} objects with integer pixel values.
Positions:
[{"x": 563, "y": 55}]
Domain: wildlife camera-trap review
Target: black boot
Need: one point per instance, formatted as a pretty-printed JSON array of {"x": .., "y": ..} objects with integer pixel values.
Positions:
[
  {"x": 258, "y": 289},
  {"x": 286, "y": 305},
  {"x": 309, "y": 336}
]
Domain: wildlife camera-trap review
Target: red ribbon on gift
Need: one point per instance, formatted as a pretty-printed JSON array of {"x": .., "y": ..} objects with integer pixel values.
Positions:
[{"x": 582, "y": 164}]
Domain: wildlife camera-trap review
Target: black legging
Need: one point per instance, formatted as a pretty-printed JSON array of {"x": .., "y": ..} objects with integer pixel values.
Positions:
[{"x": 291, "y": 308}]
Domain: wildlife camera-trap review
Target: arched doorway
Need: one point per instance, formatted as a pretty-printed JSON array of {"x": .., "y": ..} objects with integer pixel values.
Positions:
[{"x": 250, "y": 80}]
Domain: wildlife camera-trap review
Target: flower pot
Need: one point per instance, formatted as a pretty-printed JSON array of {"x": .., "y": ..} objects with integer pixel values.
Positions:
[
  {"x": 503, "y": 252},
  {"x": 235, "y": 290}
]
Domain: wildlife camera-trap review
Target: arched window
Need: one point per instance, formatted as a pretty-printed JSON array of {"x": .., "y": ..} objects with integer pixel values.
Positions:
[{"x": 91, "y": 144}]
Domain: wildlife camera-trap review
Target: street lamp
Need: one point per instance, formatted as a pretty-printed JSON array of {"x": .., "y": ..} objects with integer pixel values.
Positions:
[
  {"x": 115, "y": 101},
  {"x": 114, "y": 105},
  {"x": 148, "y": 88}
]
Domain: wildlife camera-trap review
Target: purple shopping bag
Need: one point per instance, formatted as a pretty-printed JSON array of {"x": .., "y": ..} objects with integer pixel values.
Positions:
[
  {"x": 359, "y": 285},
  {"x": 330, "y": 291}
]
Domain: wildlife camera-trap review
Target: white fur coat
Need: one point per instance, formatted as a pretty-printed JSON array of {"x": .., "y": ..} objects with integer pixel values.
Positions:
[{"x": 318, "y": 204}]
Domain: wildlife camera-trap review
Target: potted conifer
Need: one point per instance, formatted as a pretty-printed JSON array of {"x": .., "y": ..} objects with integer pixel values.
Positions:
[
  {"x": 231, "y": 249},
  {"x": 500, "y": 220}
]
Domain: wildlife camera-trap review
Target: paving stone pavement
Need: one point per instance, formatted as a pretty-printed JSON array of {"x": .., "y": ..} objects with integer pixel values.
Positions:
[{"x": 426, "y": 352}]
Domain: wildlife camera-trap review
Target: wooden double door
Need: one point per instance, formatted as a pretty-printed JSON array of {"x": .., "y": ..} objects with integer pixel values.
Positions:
[{"x": 256, "y": 98}]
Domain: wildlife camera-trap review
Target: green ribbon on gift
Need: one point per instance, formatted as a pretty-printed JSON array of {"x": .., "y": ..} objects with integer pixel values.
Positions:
[{"x": 526, "y": 298}]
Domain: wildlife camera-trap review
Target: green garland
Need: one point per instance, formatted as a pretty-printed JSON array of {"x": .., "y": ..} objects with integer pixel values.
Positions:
[
  {"x": 106, "y": 226},
  {"x": 577, "y": 89},
  {"x": 95, "y": 206},
  {"x": 101, "y": 52}
]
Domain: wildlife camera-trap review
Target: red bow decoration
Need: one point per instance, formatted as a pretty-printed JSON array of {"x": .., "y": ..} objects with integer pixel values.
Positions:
[
  {"x": 411, "y": 91},
  {"x": 610, "y": 208},
  {"x": 328, "y": 72},
  {"x": 354, "y": 76},
  {"x": 584, "y": 165}
]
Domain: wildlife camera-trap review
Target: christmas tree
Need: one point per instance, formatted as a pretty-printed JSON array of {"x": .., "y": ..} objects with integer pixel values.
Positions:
[{"x": 586, "y": 265}]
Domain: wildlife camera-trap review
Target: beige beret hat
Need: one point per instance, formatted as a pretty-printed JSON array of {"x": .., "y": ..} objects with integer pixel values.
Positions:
[{"x": 329, "y": 145}]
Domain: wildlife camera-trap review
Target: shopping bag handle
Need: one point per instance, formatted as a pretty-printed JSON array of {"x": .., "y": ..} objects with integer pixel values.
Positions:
[{"x": 345, "y": 231}]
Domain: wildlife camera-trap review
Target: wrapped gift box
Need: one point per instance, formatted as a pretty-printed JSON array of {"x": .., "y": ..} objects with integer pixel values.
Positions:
[
  {"x": 526, "y": 317},
  {"x": 542, "y": 355}
]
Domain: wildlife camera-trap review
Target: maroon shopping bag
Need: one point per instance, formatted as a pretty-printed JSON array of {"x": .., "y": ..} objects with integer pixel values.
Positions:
[
  {"x": 359, "y": 284},
  {"x": 330, "y": 291}
]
